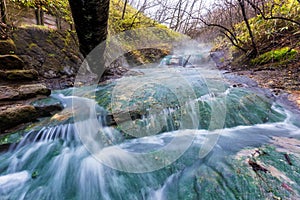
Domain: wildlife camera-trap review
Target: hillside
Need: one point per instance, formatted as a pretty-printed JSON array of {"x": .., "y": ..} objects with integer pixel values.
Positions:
[
  {"x": 139, "y": 27},
  {"x": 133, "y": 21},
  {"x": 36, "y": 58},
  {"x": 276, "y": 33}
]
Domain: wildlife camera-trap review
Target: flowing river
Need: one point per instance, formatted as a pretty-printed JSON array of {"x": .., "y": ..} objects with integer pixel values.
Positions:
[{"x": 166, "y": 133}]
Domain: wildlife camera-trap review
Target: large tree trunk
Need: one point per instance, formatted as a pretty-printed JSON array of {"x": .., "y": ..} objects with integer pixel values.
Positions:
[{"x": 90, "y": 18}]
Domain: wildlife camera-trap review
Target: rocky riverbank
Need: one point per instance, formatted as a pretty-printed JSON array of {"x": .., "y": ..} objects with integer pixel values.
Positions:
[
  {"x": 35, "y": 60},
  {"x": 280, "y": 80},
  {"x": 20, "y": 87}
]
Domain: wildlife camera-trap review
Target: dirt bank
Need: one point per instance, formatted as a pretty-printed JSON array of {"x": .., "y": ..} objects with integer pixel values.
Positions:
[{"x": 279, "y": 79}]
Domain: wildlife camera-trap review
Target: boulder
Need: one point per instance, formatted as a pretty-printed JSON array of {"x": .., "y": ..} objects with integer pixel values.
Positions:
[
  {"x": 19, "y": 75},
  {"x": 7, "y": 47},
  {"x": 10, "y": 62},
  {"x": 16, "y": 114}
]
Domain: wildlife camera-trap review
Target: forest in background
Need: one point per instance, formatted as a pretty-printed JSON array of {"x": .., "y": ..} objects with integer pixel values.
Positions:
[{"x": 257, "y": 31}]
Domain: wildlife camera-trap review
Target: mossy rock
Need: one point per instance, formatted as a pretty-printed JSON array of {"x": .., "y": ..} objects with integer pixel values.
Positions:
[
  {"x": 15, "y": 115},
  {"x": 19, "y": 75},
  {"x": 282, "y": 55},
  {"x": 47, "y": 52},
  {"x": 7, "y": 47},
  {"x": 11, "y": 62}
]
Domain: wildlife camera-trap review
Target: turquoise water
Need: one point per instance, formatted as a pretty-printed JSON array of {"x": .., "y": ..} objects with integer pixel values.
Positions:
[{"x": 179, "y": 134}]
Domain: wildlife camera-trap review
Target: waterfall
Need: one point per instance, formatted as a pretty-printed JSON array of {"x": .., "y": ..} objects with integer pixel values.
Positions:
[{"x": 190, "y": 146}]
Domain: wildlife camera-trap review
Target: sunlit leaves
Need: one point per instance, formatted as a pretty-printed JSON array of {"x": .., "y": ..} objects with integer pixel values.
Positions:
[
  {"x": 59, "y": 8},
  {"x": 277, "y": 13}
]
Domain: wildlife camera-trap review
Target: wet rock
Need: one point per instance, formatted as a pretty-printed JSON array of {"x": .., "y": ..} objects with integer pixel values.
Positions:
[
  {"x": 9, "y": 62},
  {"x": 287, "y": 158},
  {"x": 64, "y": 116},
  {"x": 23, "y": 92},
  {"x": 219, "y": 58},
  {"x": 256, "y": 167},
  {"x": 4, "y": 147},
  {"x": 47, "y": 107},
  {"x": 16, "y": 114},
  {"x": 7, "y": 47},
  {"x": 115, "y": 73},
  {"x": 241, "y": 80},
  {"x": 32, "y": 90},
  {"x": 19, "y": 75},
  {"x": 48, "y": 110}
]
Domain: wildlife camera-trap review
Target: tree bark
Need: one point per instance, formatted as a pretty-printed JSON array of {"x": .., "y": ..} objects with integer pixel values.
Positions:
[
  {"x": 124, "y": 9},
  {"x": 39, "y": 13},
  {"x": 90, "y": 18},
  {"x": 253, "y": 44},
  {"x": 3, "y": 11}
]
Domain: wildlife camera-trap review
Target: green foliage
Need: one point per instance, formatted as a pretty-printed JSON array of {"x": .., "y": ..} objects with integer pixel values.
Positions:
[
  {"x": 59, "y": 8},
  {"x": 133, "y": 20},
  {"x": 266, "y": 30},
  {"x": 137, "y": 23},
  {"x": 275, "y": 34},
  {"x": 283, "y": 54}
]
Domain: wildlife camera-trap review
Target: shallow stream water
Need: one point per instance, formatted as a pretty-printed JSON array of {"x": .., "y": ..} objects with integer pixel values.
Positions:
[{"x": 179, "y": 133}]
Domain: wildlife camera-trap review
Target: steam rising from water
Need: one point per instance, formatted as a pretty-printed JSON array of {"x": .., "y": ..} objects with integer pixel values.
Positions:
[{"x": 175, "y": 80}]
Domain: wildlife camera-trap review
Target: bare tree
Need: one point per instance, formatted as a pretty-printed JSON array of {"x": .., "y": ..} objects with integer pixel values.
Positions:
[
  {"x": 142, "y": 6},
  {"x": 177, "y": 14},
  {"x": 124, "y": 9},
  {"x": 242, "y": 5},
  {"x": 223, "y": 18},
  {"x": 267, "y": 12},
  {"x": 187, "y": 24}
]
